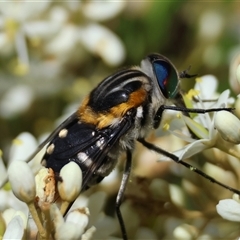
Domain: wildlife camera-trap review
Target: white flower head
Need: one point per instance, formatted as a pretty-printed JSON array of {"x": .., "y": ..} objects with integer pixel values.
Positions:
[{"x": 203, "y": 124}]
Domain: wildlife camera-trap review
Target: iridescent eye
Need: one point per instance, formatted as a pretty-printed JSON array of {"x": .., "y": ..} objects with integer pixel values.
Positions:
[{"x": 167, "y": 78}]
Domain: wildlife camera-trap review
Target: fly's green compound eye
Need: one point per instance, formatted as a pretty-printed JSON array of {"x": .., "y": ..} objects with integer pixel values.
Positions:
[{"x": 167, "y": 78}]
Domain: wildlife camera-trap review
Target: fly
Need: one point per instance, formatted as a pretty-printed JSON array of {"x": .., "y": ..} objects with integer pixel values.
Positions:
[{"x": 121, "y": 110}]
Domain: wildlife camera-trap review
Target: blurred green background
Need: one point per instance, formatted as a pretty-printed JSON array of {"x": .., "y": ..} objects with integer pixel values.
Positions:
[{"x": 47, "y": 65}]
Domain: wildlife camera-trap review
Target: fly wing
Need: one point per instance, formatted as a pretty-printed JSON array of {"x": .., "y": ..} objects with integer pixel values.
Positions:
[
  {"x": 51, "y": 136},
  {"x": 85, "y": 145}
]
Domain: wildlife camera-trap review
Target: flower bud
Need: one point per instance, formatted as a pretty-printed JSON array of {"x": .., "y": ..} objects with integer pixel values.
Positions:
[
  {"x": 228, "y": 125},
  {"x": 70, "y": 186},
  {"x": 22, "y": 181}
]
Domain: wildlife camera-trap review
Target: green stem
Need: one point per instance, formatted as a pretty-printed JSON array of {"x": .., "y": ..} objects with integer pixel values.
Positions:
[{"x": 33, "y": 211}]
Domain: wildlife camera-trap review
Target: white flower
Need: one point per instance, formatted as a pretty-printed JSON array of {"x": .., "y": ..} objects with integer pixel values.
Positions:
[
  {"x": 68, "y": 231},
  {"x": 14, "y": 18},
  {"x": 79, "y": 216},
  {"x": 23, "y": 145},
  {"x": 102, "y": 42},
  {"x": 41, "y": 21},
  {"x": 203, "y": 125},
  {"x": 73, "y": 227},
  {"x": 22, "y": 148},
  {"x": 105, "y": 225},
  {"x": 102, "y": 11},
  {"x": 15, "y": 95}
]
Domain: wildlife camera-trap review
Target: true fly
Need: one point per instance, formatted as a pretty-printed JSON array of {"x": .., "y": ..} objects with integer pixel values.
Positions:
[{"x": 122, "y": 109}]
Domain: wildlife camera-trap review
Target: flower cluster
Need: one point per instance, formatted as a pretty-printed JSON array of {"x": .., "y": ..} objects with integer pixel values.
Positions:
[
  {"x": 47, "y": 199},
  {"x": 46, "y": 36},
  {"x": 214, "y": 136},
  {"x": 47, "y": 202},
  {"x": 44, "y": 46}
]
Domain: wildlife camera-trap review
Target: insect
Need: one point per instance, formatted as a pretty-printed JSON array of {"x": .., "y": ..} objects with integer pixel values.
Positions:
[{"x": 122, "y": 109}]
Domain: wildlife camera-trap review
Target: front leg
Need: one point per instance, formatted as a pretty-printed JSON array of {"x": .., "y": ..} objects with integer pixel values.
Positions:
[{"x": 121, "y": 191}]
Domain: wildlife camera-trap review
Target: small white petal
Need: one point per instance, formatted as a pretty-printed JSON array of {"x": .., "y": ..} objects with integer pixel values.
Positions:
[
  {"x": 15, "y": 229},
  {"x": 59, "y": 14},
  {"x": 207, "y": 86},
  {"x": 197, "y": 128},
  {"x": 229, "y": 209},
  {"x": 223, "y": 99},
  {"x": 70, "y": 186},
  {"x": 80, "y": 217},
  {"x": 96, "y": 209},
  {"x": 8, "y": 215},
  {"x": 22, "y": 181},
  {"x": 42, "y": 29},
  {"x": 64, "y": 42},
  {"x": 23, "y": 216},
  {"x": 228, "y": 125},
  {"x": 68, "y": 231},
  {"x": 15, "y": 101},
  {"x": 23, "y": 146},
  {"x": 102, "y": 10},
  {"x": 192, "y": 149},
  {"x": 102, "y": 42},
  {"x": 21, "y": 11},
  {"x": 56, "y": 215}
]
